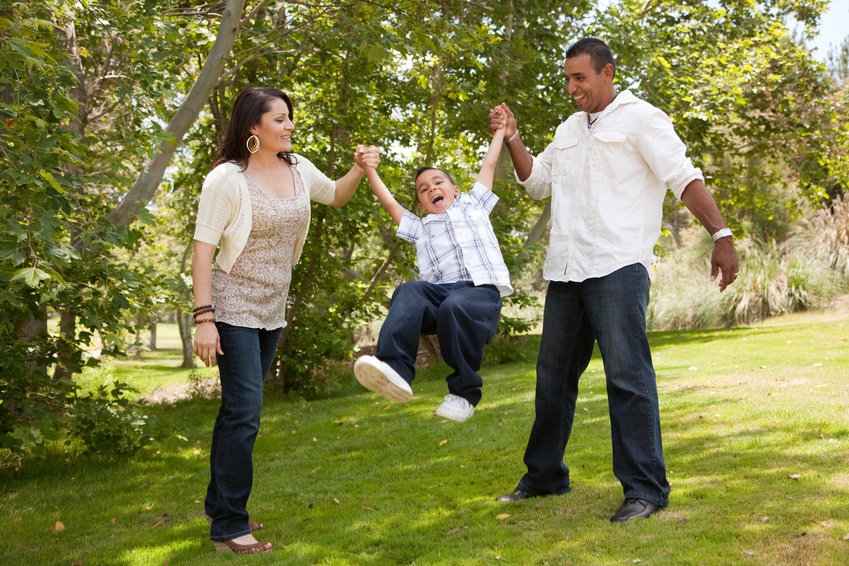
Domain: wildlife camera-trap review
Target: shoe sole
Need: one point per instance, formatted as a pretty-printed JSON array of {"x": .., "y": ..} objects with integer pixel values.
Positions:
[
  {"x": 374, "y": 379},
  {"x": 453, "y": 418}
]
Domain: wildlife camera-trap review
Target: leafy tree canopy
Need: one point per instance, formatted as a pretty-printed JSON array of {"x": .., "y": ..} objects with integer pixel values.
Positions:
[{"x": 100, "y": 96}]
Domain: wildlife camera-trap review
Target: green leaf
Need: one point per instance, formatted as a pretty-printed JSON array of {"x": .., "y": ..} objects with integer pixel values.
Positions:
[
  {"x": 32, "y": 276},
  {"x": 48, "y": 176}
]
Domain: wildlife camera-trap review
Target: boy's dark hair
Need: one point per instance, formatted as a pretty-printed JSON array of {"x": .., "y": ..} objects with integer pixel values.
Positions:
[
  {"x": 599, "y": 52},
  {"x": 421, "y": 170}
]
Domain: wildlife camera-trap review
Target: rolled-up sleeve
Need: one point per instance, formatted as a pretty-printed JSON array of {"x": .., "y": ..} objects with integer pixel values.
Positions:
[{"x": 665, "y": 153}]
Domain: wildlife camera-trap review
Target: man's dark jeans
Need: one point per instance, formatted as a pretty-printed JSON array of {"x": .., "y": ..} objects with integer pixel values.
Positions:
[{"x": 611, "y": 310}]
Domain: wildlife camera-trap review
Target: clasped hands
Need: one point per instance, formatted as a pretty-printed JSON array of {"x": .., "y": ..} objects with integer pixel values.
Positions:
[
  {"x": 367, "y": 157},
  {"x": 501, "y": 117}
]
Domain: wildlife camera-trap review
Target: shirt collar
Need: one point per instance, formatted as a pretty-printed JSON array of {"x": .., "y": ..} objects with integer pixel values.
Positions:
[{"x": 624, "y": 97}]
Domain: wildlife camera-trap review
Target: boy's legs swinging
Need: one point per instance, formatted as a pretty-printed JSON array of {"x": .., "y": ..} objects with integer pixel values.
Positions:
[{"x": 463, "y": 316}]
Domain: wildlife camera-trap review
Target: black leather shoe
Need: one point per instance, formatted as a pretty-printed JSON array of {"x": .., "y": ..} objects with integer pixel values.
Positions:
[
  {"x": 632, "y": 508},
  {"x": 518, "y": 495}
]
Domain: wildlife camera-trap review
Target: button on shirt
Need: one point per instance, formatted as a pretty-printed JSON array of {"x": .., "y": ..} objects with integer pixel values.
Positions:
[
  {"x": 458, "y": 244},
  {"x": 607, "y": 184}
]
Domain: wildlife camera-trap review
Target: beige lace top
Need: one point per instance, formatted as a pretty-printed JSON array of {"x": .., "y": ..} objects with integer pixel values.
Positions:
[{"x": 254, "y": 293}]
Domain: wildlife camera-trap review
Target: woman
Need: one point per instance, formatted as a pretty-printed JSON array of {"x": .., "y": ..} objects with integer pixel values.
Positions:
[{"x": 255, "y": 203}]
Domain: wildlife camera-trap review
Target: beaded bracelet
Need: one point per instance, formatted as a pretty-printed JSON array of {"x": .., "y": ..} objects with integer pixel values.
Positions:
[
  {"x": 209, "y": 306},
  {"x": 204, "y": 320},
  {"x": 203, "y": 311}
]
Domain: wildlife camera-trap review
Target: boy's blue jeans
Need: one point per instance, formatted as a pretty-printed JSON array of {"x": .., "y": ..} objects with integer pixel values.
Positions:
[
  {"x": 611, "y": 310},
  {"x": 464, "y": 318},
  {"x": 248, "y": 355}
]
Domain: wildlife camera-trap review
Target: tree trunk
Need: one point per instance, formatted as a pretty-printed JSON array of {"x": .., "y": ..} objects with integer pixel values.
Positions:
[
  {"x": 184, "y": 323},
  {"x": 184, "y": 319},
  {"x": 68, "y": 319},
  {"x": 378, "y": 275},
  {"x": 68, "y": 331},
  {"x": 32, "y": 329},
  {"x": 540, "y": 226},
  {"x": 152, "y": 342}
]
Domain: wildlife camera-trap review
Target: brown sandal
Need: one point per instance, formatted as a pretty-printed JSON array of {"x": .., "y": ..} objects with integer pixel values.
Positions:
[
  {"x": 236, "y": 548},
  {"x": 252, "y": 525}
]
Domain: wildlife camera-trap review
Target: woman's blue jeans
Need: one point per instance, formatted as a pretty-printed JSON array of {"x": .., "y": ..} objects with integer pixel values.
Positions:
[
  {"x": 248, "y": 354},
  {"x": 611, "y": 310}
]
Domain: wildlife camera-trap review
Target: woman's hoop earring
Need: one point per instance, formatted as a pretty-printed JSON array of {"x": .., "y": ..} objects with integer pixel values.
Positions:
[{"x": 253, "y": 143}]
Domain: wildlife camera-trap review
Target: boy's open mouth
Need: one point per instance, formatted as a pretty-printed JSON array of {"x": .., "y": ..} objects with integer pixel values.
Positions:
[{"x": 437, "y": 199}]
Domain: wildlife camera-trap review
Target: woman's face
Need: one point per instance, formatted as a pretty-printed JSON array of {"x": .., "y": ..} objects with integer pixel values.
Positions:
[{"x": 275, "y": 128}]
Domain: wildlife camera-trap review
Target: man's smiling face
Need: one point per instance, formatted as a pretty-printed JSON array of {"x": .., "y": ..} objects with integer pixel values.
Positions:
[
  {"x": 591, "y": 90},
  {"x": 435, "y": 191}
]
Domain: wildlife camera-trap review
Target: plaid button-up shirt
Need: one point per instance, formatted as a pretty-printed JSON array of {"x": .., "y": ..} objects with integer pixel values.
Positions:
[{"x": 459, "y": 244}]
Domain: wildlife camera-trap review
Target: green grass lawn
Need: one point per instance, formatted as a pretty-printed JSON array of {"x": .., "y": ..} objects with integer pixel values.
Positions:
[{"x": 756, "y": 433}]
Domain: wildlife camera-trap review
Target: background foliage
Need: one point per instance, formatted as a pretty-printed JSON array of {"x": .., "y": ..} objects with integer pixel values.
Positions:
[{"x": 90, "y": 90}]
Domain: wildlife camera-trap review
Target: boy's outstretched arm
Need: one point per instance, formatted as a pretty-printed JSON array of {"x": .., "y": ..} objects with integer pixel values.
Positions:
[
  {"x": 486, "y": 176},
  {"x": 395, "y": 210}
]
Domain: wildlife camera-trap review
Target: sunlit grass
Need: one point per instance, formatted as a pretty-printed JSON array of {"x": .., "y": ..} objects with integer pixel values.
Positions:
[
  {"x": 147, "y": 371},
  {"x": 756, "y": 438}
]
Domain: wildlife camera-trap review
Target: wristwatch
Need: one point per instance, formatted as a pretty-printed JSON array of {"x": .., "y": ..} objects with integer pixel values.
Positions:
[{"x": 721, "y": 234}]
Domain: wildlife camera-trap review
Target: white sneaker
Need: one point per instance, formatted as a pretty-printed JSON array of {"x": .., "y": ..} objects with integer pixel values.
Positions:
[
  {"x": 379, "y": 377},
  {"x": 455, "y": 408}
]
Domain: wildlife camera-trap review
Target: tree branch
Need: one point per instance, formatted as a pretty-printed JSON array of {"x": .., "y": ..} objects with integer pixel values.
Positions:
[{"x": 146, "y": 185}]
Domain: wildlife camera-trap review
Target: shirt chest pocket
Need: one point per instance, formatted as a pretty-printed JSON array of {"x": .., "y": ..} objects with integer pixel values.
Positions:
[
  {"x": 609, "y": 150},
  {"x": 565, "y": 154}
]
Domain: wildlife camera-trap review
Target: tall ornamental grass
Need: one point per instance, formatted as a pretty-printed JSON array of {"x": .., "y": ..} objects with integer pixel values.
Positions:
[{"x": 808, "y": 270}]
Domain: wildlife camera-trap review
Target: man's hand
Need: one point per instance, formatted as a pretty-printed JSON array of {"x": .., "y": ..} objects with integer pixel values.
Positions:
[{"x": 724, "y": 259}]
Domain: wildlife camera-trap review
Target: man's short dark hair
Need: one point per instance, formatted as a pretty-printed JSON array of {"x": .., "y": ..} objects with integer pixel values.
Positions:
[{"x": 598, "y": 51}]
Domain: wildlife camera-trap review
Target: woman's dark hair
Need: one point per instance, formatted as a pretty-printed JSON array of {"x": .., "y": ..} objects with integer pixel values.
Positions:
[
  {"x": 598, "y": 51},
  {"x": 249, "y": 107}
]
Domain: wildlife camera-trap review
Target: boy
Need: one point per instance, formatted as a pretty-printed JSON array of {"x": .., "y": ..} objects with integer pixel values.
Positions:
[{"x": 458, "y": 297}]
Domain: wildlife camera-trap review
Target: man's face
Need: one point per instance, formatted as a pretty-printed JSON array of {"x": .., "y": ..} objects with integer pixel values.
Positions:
[
  {"x": 435, "y": 191},
  {"x": 589, "y": 90}
]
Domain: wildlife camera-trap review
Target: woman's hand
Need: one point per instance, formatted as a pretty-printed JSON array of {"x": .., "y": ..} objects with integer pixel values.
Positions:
[
  {"x": 207, "y": 343},
  {"x": 367, "y": 157}
]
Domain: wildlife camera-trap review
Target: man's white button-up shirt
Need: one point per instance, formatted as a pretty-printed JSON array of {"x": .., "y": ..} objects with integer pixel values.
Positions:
[{"x": 607, "y": 184}]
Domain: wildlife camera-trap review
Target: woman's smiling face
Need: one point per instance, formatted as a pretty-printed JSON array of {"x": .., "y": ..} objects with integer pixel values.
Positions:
[
  {"x": 275, "y": 127},
  {"x": 435, "y": 191}
]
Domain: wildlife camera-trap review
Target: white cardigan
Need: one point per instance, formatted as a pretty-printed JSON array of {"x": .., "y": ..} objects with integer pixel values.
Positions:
[{"x": 224, "y": 211}]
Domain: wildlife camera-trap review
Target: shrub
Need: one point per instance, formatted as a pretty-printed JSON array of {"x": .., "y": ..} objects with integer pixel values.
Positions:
[
  {"x": 825, "y": 236},
  {"x": 107, "y": 422}
]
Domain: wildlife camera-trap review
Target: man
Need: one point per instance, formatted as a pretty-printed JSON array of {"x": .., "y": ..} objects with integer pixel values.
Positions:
[{"x": 607, "y": 172}]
